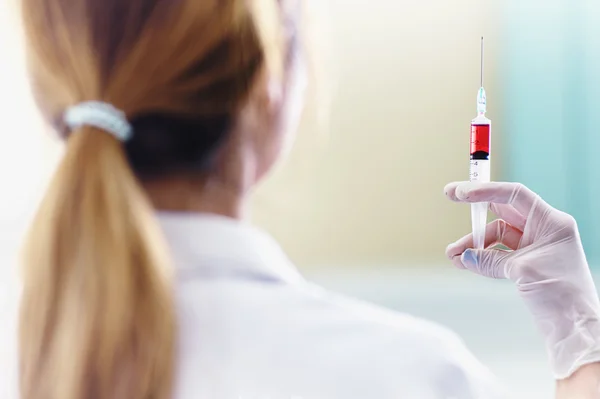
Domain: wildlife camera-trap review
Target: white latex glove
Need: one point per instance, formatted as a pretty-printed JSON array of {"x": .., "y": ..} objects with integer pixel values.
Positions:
[{"x": 546, "y": 262}]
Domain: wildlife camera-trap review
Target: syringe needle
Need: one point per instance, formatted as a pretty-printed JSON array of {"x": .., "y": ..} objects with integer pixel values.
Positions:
[{"x": 481, "y": 61}]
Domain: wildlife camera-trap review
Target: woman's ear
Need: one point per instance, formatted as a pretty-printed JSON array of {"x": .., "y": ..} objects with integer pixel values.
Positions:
[
  {"x": 267, "y": 93},
  {"x": 260, "y": 116},
  {"x": 274, "y": 93}
]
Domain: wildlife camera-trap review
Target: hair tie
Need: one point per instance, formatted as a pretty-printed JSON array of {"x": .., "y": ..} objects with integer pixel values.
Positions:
[{"x": 99, "y": 115}]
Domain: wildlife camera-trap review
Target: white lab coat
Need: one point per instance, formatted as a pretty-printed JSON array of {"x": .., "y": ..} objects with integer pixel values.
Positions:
[{"x": 252, "y": 328}]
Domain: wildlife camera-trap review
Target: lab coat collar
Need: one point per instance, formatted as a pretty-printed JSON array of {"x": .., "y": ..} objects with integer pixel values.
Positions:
[{"x": 207, "y": 245}]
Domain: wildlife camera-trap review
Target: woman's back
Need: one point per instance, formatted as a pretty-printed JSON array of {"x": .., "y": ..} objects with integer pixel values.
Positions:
[
  {"x": 161, "y": 104},
  {"x": 251, "y": 327}
]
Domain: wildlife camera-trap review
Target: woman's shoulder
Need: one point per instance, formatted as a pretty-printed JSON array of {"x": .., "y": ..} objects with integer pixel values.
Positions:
[
  {"x": 378, "y": 319},
  {"x": 410, "y": 350},
  {"x": 300, "y": 335}
]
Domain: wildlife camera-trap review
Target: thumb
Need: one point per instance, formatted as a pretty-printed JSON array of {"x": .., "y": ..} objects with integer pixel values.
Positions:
[{"x": 486, "y": 262}]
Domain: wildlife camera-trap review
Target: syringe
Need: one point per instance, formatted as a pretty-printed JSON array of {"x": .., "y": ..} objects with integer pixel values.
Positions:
[{"x": 481, "y": 129}]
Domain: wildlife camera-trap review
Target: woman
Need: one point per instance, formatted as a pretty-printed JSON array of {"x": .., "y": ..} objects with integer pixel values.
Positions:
[{"x": 142, "y": 281}]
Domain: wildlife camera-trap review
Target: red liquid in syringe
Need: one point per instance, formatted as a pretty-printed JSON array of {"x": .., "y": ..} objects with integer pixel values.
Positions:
[
  {"x": 480, "y": 141},
  {"x": 481, "y": 132}
]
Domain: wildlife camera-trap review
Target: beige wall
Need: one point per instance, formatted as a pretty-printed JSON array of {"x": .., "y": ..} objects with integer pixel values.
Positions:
[{"x": 370, "y": 191}]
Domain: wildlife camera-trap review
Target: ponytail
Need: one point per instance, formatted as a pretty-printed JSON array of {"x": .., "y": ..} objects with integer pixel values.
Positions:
[{"x": 97, "y": 318}]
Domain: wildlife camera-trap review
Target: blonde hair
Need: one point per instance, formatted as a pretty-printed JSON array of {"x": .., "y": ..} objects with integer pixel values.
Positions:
[{"x": 97, "y": 318}]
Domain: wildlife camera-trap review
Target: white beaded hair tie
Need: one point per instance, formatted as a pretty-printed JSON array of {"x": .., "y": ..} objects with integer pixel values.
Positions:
[{"x": 99, "y": 115}]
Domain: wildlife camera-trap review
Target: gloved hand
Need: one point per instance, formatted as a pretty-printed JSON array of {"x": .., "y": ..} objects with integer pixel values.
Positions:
[{"x": 547, "y": 263}]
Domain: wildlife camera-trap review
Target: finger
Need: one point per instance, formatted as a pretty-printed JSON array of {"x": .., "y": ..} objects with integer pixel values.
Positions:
[
  {"x": 450, "y": 190},
  {"x": 515, "y": 194},
  {"x": 487, "y": 262},
  {"x": 497, "y": 232},
  {"x": 510, "y": 214}
]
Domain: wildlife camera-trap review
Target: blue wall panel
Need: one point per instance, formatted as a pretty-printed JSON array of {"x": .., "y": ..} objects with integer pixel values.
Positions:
[{"x": 552, "y": 104}]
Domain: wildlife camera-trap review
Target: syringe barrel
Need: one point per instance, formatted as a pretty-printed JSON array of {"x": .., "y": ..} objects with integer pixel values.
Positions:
[
  {"x": 480, "y": 171},
  {"x": 481, "y": 135}
]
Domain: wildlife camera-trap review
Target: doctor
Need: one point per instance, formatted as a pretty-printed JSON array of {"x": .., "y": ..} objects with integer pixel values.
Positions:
[{"x": 142, "y": 278}]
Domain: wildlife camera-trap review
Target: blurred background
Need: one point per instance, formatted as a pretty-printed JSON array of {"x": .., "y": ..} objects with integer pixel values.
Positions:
[{"x": 359, "y": 205}]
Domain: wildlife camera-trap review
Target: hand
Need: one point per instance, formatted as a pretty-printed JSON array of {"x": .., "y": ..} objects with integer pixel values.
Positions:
[{"x": 545, "y": 260}]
